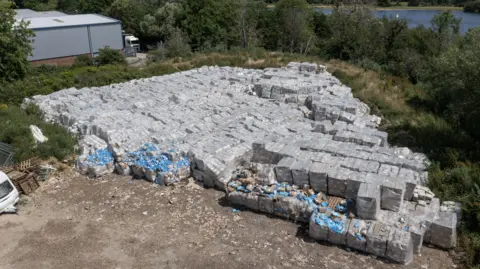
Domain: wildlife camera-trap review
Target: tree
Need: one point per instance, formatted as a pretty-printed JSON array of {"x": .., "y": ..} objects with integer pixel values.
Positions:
[
  {"x": 452, "y": 81},
  {"x": 129, "y": 12},
  {"x": 248, "y": 16},
  {"x": 356, "y": 35},
  {"x": 177, "y": 45},
  {"x": 383, "y": 3},
  {"x": 163, "y": 23},
  {"x": 15, "y": 44},
  {"x": 39, "y": 5},
  {"x": 269, "y": 29},
  {"x": 83, "y": 6},
  {"x": 210, "y": 23},
  {"x": 473, "y": 6},
  {"x": 413, "y": 3},
  {"x": 447, "y": 27},
  {"x": 295, "y": 17}
]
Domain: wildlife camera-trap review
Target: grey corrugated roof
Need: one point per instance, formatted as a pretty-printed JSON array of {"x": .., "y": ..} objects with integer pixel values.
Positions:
[
  {"x": 28, "y": 13},
  {"x": 68, "y": 21}
]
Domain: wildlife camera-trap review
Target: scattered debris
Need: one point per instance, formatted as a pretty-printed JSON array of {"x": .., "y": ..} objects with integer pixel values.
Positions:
[{"x": 38, "y": 135}]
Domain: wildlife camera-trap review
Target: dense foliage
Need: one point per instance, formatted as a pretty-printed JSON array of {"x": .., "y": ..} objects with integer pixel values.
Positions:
[
  {"x": 15, "y": 45},
  {"x": 473, "y": 6},
  {"x": 428, "y": 93}
]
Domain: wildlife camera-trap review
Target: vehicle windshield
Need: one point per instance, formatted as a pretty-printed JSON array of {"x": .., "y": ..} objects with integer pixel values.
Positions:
[
  {"x": 5, "y": 188},
  {"x": 134, "y": 42}
]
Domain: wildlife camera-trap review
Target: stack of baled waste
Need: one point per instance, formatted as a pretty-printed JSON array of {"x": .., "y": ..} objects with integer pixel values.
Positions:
[
  {"x": 299, "y": 125},
  {"x": 377, "y": 221},
  {"x": 150, "y": 162},
  {"x": 98, "y": 163}
]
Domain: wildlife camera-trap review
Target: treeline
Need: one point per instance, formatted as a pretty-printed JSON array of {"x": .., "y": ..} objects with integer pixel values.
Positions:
[
  {"x": 473, "y": 7},
  {"x": 385, "y": 3}
]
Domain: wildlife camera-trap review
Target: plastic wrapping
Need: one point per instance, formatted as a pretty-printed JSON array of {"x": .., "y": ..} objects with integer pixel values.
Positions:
[
  {"x": 337, "y": 231},
  {"x": 368, "y": 201},
  {"x": 283, "y": 170},
  {"x": 377, "y": 237},
  {"x": 265, "y": 204},
  {"x": 392, "y": 195},
  {"x": 318, "y": 229},
  {"x": 443, "y": 231},
  {"x": 356, "y": 234},
  {"x": 400, "y": 247}
]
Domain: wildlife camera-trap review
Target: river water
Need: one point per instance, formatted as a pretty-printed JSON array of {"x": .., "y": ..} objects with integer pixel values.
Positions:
[{"x": 419, "y": 17}]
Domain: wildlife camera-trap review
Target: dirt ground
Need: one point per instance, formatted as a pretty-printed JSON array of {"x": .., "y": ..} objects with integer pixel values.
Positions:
[{"x": 116, "y": 222}]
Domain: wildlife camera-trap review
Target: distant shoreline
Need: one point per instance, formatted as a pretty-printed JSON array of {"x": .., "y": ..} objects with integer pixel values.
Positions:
[{"x": 441, "y": 8}]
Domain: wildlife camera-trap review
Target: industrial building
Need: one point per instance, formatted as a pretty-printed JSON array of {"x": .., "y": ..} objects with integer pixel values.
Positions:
[{"x": 60, "y": 38}]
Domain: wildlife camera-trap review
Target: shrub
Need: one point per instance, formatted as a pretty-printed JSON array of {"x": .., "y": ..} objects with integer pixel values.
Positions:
[
  {"x": 177, "y": 45},
  {"x": 109, "y": 56},
  {"x": 158, "y": 54},
  {"x": 83, "y": 60}
]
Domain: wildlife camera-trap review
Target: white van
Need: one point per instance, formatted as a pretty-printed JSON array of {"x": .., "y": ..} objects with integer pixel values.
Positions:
[{"x": 8, "y": 194}]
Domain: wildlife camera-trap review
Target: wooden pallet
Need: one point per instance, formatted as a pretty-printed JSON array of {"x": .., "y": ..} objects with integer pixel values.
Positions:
[
  {"x": 29, "y": 183},
  {"x": 29, "y": 165},
  {"x": 25, "y": 183},
  {"x": 333, "y": 201},
  {"x": 23, "y": 175}
]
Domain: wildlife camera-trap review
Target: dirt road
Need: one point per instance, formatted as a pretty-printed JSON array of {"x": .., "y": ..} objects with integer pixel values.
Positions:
[{"x": 75, "y": 222}]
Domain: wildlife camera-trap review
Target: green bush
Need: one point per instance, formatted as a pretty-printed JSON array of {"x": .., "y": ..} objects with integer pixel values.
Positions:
[
  {"x": 83, "y": 60},
  {"x": 109, "y": 56}
]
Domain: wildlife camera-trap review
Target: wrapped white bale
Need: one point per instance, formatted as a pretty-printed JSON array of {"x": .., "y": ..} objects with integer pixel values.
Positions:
[
  {"x": 101, "y": 170},
  {"x": 377, "y": 237},
  {"x": 417, "y": 232},
  {"x": 150, "y": 175},
  {"x": 338, "y": 236},
  {"x": 266, "y": 204},
  {"x": 251, "y": 200},
  {"x": 368, "y": 201},
  {"x": 221, "y": 182},
  {"x": 123, "y": 169},
  {"x": 353, "y": 184},
  {"x": 82, "y": 165},
  {"x": 283, "y": 170},
  {"x": 300, "y": 172},
  {"x": 337, "y": 182},
  {"x": 202, "y": 177},
  {"x": 237, "y": 198},
  {"x": 319, "y": 176},
  {"x": 300, "y": 210},
  {"x": 183, "y": 172},
  {"x": 400, "y": 247},
  {"x": 392, "y": 195},
  {"x": 138, "y": 171},
  {"x": 443, "y": 231},
  {"x": 265, "y": 173},
  {"x": 318, "y": 229},
  {"x": 356, "y": 234},
  {"x": 284, "y": 206}
]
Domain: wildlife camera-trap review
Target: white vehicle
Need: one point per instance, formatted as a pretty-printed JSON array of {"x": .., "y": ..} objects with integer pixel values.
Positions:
[
  {"x": 132, "y": 42},
  {"x": 8, "y": 195}
]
